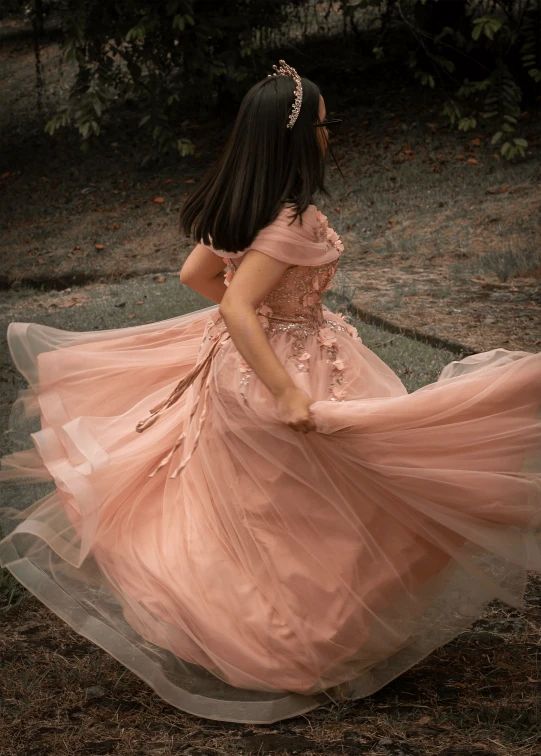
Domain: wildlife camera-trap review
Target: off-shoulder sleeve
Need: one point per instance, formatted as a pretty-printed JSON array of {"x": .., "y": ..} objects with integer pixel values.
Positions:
[{"x": 293, "y": 243}]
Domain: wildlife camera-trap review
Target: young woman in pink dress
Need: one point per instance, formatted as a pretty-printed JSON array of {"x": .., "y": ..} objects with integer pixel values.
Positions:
[{"x": 248, "y": 510}]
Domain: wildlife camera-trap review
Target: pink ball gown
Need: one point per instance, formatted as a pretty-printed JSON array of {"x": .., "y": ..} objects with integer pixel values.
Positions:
[{"x": 248, "y": 572}]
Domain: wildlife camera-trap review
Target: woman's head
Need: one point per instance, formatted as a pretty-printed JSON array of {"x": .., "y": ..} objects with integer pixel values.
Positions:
[{"x": 263, "y": 165}]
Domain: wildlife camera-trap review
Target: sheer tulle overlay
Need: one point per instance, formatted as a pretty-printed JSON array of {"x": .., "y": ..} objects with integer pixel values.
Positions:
[{"x": 248, "y": 572}]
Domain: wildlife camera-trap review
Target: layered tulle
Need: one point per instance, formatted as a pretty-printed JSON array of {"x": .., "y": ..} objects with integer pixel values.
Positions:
[{"x": 276, "y": 571}]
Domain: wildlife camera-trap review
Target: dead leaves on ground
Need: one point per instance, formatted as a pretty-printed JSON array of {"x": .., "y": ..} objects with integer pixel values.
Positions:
[{"x": 59, "y": 303}]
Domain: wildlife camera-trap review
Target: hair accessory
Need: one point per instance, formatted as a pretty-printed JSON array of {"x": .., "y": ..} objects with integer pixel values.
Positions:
[{"x": 285, "y": 70}]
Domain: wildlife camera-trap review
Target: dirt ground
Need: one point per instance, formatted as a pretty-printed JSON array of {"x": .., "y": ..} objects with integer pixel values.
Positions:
[{"x": 476, "y": 696}]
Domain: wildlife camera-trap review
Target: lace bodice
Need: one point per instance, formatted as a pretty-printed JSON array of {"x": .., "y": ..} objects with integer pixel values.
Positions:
[
  {"x": 297, "y": 295},
  {"x": 294, "y": 306}
]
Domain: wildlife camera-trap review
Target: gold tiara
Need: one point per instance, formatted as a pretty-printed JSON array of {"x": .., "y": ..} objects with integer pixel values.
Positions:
[{"x": 285, "y": 70}]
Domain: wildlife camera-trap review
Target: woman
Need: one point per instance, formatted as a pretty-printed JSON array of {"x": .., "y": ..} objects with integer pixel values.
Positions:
[{"x": 285, "y": 525}]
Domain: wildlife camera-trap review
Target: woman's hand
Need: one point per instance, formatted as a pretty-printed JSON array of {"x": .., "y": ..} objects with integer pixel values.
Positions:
[{"x": 294, "y": 409}]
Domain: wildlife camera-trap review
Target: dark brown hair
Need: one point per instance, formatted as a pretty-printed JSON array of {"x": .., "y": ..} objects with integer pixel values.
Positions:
[{"x": 263, "y": 165}]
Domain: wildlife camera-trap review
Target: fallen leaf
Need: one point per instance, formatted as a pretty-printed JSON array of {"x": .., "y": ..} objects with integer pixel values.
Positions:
[
  {"x": 159, "y": 199},
  {"x": 190, "y": 181},
  {"x": 472, "y": 161},
  {"x": 423, "y": 720},
  {"x": 40, "y": 261},
  {"x": 69, "y": 303},
  {"x": 476, "y": 142},
  {"x": 4, "y": 175},
  {"x": 115, "y": 226},
  {"x": 159, "y": 279},
  {"x": 99, "y": 246},
  {"x": 168, "y": 181},
  {"x": 131, "y": 315},
  {"x": 139, "y": 301},
  {"x": 77, "y": 247}
]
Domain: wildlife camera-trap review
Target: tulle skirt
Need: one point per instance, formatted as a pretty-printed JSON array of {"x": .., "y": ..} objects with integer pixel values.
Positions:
[{"x": 245, "y": 571}]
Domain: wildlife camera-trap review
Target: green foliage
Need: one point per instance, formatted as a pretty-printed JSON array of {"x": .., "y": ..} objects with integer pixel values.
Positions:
[
  {"x": 487, "y": 25},
  {"x": 162, "y": 57},
  {"x": 529, "y": 50},
  {"x": 489, "y": 37},
  {"x": 177, "y": 58}
]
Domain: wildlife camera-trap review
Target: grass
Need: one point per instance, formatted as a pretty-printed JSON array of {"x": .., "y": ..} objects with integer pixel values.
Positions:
[{"x": 508, "y": 262}]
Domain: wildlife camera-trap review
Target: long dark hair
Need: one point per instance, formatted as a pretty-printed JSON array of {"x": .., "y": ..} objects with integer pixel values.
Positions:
[{"x": 263, "y": 165}]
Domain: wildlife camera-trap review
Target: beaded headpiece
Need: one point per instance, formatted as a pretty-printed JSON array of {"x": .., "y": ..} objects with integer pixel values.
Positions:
[{"x": 285, "y": 70}]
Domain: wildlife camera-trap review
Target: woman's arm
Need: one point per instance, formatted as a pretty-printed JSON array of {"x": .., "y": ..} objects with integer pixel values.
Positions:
[
  {"x": 203, "y": 272},
  {"x": 255, "y": 277}
]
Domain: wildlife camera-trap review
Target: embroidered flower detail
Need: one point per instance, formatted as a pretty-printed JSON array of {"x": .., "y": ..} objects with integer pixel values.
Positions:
[
  {"x": 310, "y": 299},
  {"x": 305, "y": 356},
  {"x": 326, "y": 336},
  {"x": 324, "y": 233},
  {"x": 244, "y": 367},
  {"x": 322, "y": 219},
  {"x": 339, "y": 392},
  {"x": 338, "y": 364},
  {"x": 228, "y": 276},
  {"x": 264, "y": 313},
  {"x": 352, "y": 331},
  {"x": 332, "y": 236}
]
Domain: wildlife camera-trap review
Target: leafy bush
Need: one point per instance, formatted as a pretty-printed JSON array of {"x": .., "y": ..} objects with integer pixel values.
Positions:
[
  {"x": 499, "y": 39},
  {"x": 184, "y": 56},
  {"x": 164, "y": 56}
]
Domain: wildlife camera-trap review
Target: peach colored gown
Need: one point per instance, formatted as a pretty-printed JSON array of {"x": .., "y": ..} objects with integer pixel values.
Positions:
[{"x": 248, "y": 572}]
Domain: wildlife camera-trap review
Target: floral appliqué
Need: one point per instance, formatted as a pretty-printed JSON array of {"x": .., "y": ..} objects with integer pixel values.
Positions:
[
  {"x": 326, "y": 234},
  {"x": 229, "y": 271},
  {"x": 306, "y": 317},
  {"x": 327, "y": 339}
]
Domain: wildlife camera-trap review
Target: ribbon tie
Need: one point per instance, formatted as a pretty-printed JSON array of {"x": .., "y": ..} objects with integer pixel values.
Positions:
[{"x": 201, "y": 366}]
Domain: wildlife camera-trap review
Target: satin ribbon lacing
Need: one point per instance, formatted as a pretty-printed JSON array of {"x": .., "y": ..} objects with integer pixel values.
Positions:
[{"x": 203, "y": 368}]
